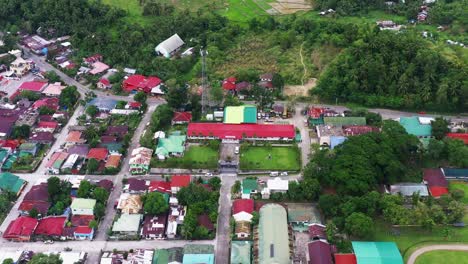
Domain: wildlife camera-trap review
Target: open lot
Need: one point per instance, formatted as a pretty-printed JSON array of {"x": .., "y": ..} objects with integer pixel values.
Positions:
[
  {"x": 460, "y": 186},
  {"x": 258, "y": 158},
  {"x": 443, "y": 256},
  {"x": 195, "y": 157}
]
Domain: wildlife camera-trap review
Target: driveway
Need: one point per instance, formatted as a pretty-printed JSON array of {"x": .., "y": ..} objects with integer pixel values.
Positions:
[
  {"x": 420, "y": 251},
  {"x": 223, "y": 231}
]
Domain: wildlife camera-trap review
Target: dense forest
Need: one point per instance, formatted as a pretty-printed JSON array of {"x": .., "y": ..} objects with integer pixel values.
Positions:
[{"x": 396, "y": 71}]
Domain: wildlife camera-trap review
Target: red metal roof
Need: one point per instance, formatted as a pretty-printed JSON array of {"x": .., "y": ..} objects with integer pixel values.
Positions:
[
  {"x": 243, "y": 205},
  {"x": 437, "y": 191},
  {"x": 204, "y": 220},
  {"x": 51, "y": 103},
  {"x": 97, "y": 154},
  {"x": 238, "y": 131},
  {"x": 320, "y": 252},
  {"x": 51, "y": 226},
  {"x": 180, "y": 180},
  {"x": 182, "y": 117},
  {"x": 140, "y": 83},
  {"x": 9, "y": 143},
  {"x": 316, "y": 112},
  {"x": 134, "y": 105},
  {"x": 345, "y": 259},
  {"x": 317, "y": 231},
  {"x": 229, "y": 83},
  {"x": 47, "y": 124},
  {"x": 462, "y": 136},
  {"x": 83, "y": 230},
  {"x": 23, "y": 226},
  {"x": 104, "y": 81},
  {"x": 435, "y": 177},
  {"x": 160, "y": 186},
  {"x": 33, "y": 86},
  {"x": 81, "y": 220}
]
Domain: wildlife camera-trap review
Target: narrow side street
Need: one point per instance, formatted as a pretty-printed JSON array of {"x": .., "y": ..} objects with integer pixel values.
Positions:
[{"x": 223, "y": 232}]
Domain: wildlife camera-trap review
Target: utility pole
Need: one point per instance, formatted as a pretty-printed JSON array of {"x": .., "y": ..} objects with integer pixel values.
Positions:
[{"x": 205, "y": 96}]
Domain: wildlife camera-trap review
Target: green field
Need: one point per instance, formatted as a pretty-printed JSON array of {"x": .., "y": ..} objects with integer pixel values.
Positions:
[
  {"x": 195, "y": 157},
  {"x": 443, "y": 256},
  {"x": 282, "y": 158},
  {"x": 460, "y": 186}
]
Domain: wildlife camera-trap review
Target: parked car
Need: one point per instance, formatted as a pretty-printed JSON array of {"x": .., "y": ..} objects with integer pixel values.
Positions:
[
  {"x": 284, "y": 173},
  {"x": 236, "y": 150},
  {"x": 274, "y": 174}
]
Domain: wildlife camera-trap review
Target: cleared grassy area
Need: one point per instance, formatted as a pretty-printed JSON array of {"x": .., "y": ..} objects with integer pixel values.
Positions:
[
  {"x": 195, "y": 157},
  {"x": 443, "y": 256},
  {"x": 460, "y": 186},
  {"x": 133, "y": 8},
  {"x": 258, "y": 158}
]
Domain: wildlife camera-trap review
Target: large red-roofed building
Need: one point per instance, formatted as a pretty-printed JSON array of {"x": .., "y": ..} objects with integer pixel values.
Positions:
[
  {"x": 33, "y": 86},
  {"x": 21, "y": 229},
  {"x": 142, "y": 83},
  {"x": 229, "y": 84},
  {"x": 51, "y": 226},
  {"x": 242, "y": 210},
  {"x": 436, "y": 182},
  {"x": 461, "y": 136},
  {"x": 240, "y": 131}
]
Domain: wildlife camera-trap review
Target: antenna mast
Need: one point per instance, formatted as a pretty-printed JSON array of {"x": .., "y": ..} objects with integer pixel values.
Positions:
[{"x": 205, "y": 98}]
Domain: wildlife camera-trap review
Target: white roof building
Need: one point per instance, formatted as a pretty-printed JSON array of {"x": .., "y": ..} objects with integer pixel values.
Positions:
[{"x": 168, "y": 47}]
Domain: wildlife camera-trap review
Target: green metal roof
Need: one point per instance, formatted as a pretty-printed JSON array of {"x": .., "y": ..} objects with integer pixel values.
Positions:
[
  {"x": 172, "y": 144},
  {"x": 377, "y": 253},
  {"x": 248, "y": 185},
  {"x": 11, "y": 182},
  {"x": 3, "y": 154},
  {"x": 9, "y": 162},
  {"x": 27, "y": 146},
  {"x": 240, "y": 114},
  {"x": 345, "y": 121},
  {"x": 241, "y": 252},
  {"x": 273, "y": 237},
  {"x": 164, "y": 256},
  {"x": 413, "y": 127},
  {"x": 450, "y": 172},
  {"x": 82, "y": 203}
]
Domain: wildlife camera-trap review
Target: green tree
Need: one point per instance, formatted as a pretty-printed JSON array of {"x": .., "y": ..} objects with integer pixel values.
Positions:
[
  {"x": 41, "y": 258},
  {"x": 215, "y": 183},
  {"x": 52, "y": 77},
  {"x": 278, "y": 81},
  {"x": 255, "y": 218},
  {"x": 21, "y": 132},
  {"x": 53, "y": 187},
  {"x": 8, "y": 261},
  {"x": 99, "y": 210},
  {"x": 100, "y": 194},
  {"x": 329, "y": 204},
  {"x": 140, "y": 97},
  {"x": 33, "y": 213},
  {"x": 92, "y": 111},
  {"x": 231, "y": 100},
  {"x": 176, "y": 96},
  {"x": 154, "y": 203},
  {"x": 359, "y": 225},
  {"x": 93, "y": 224},
  {"x": 262, "y": 97},
  {"x": 216, "y": 93},
  {"x": 440, "y": 127},
  {"x": 68, "y": 97},
  {"x": 92, "y": 166},
  {"x": 85, "y": 189},
  {"x": 191, "y": 194},
  {"x": 57, "y": 209}
]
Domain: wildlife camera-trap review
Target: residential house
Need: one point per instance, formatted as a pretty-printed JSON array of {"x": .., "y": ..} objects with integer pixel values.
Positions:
[
  {"x": 408, "y": 189},
  {"x": 12, "y": 183},
  {"x": 130, "y": 203},
  {"x": 319, "y": 252},
  {"x": 170, "y": 46},
  {"x": 160, "y": 186},
  {"x": 81, "y": 220},
  {"x": 273, "y": 244},
  {"x": 37, "y": 198},
  {"x": 229, "y": 84},
  {"x": 141, "y": 83},
  {"x": 46, "y": 138},
  {"x": 133, "y": 105},
  {"x": 154, "y": 226},
  {"x": 180, "y": 118},
  {"x": 117, "y": 131},
  {"x": 140, "y": 160},
  {"x": 176, "y": 217},
  {"x": 104, "y": 104},
  {"x": 51, "y": 226},
  {"x": 53, "y": 89},
  {"x": 242, "y": 229},
  {"x": 104, "y": 84},
  {"x": 50, "y": 102},
  {"x": 276, "y": 185},
  {"x": 196, "y": 254},
  {"x": 174, "y": 145},
  {"x": 21, "y": 67},
  {"x": 113, "y": 161},
  {"x": 83, "y": 233},
  {"x": 358, "y": 130},
  {"x": 74, "y": 137},
  {"x": 92, "y": 59},
  {"x": 241, "y": 252},
  {"x": 21, "y": 229},
  {"x": 249, "y": 187},
  {"x": 179, "y": 181},
  {"x": 136, "y": 186},
  {"x": 460, "y": 136},
  {"x": 81, "y": 150},
  {"x": 30, "y": 148},
  {"x": 242, "y": 209},
  {"x": 436, "y": 182},
  {"x": 82, "y": 206},
  {"x": 33, "y": 86},
  {"x": 417, "y": 126},
  {"x": 243, "y": 86},
  {"x": 98, "y": 68},
  {"x": 141, "y": 256},
  {"x": 127, "y": 224},
  {"x": 266, "y": 81},
  {"x": 99, "y": 154},
  {"x": 55, "y": 162},
  {"x": 106, "y": 184}
]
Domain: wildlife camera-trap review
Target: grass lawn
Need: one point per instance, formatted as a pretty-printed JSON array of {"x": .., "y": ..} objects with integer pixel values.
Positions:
[
  {"x": 443, "y": 256},
  {"x": 195, "y": 157},
  {"x": 410, "y": 238},
  {"x": 460, "y": 186},
  {"x": 282, "y": 158}
]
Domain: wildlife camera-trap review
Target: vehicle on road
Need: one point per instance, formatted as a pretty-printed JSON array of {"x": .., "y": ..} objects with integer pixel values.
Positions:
[
  {"x": 274, "y": 174},
  {"x": 236, "y": 150},
  {"x": 284, "y": 173},
  {"x": 208, "y": 174},
  {"x": 48, "y": 242}
]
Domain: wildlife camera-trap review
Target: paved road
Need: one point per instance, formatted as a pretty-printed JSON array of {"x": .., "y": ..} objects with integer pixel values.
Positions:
[
  {"x": 420, "y": 251},
  {"x": 298, "y": 121},
  {"x": 223, "y": 232}
]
